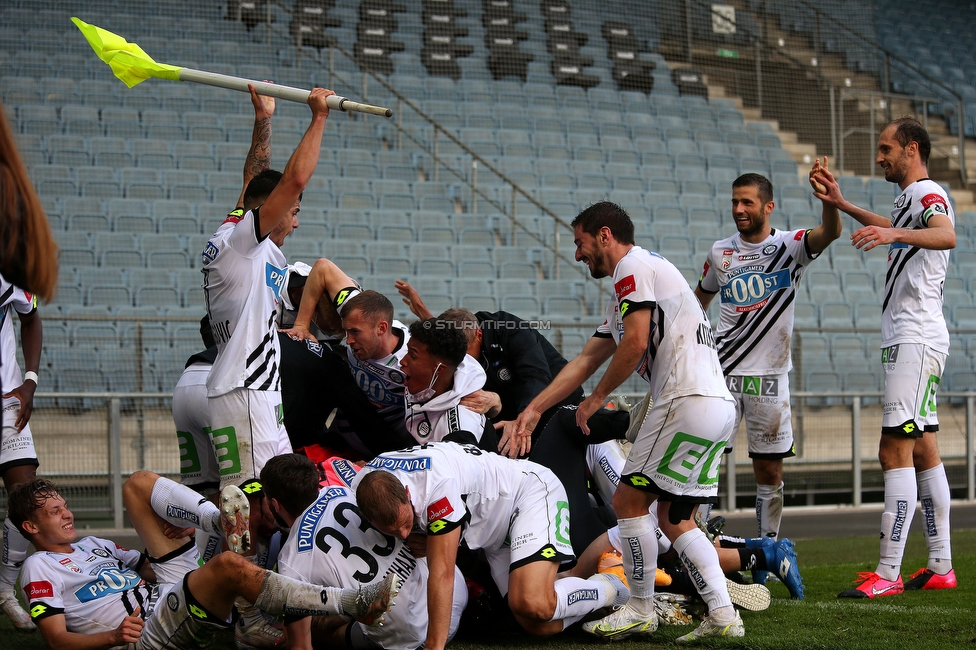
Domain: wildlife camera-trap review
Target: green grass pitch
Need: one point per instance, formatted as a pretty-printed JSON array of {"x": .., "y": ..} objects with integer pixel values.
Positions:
[{"x": 914, "y": 620}]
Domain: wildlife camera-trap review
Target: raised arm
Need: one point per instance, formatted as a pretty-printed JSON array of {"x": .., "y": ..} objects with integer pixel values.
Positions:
[
  {"x": 834, "y": 197},
  {"x": 830, "y": 225},
  {"x": 259, "y": 155},
  {"x": 413, "y": 300},
  {"x": 298, "y": 172}
]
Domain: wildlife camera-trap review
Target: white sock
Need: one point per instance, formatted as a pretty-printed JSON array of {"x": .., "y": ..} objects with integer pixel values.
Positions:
[
  {"x": 181, "y": 506},
  {"x": 282, "y": 595},
  {"x": 701, "y": 559},
  {"x": 14, "y": 554},
  {"x": 933, "y": 490},
  {"x": 640, "y": 559},
  {"x": 901, "y": 493},
  {"x": 576, "y": 597},
  {"x": 663, "y": 543},
  {"x": 208, "y": 544},
  {"x": 769, "y": 509}
]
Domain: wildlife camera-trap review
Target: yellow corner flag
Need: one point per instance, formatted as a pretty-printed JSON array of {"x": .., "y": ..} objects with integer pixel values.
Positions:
[{"x": 127, "y": 60}]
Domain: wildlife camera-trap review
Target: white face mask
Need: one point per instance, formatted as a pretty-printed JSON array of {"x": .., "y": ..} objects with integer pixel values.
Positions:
[{"x": 427, "y": 393}]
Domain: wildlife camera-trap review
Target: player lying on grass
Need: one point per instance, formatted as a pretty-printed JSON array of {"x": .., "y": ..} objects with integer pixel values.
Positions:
[{"x": 91, "y": 593}]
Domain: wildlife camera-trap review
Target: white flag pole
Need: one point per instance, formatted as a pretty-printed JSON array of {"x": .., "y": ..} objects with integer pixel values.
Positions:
[{"x": 287, "y": 93}]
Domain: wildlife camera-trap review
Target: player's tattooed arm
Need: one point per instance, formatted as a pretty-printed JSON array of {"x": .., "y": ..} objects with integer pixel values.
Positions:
[{"x": 259, "y": 155}]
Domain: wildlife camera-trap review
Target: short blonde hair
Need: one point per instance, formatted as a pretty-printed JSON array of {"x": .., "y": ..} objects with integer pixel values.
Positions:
[{"x": 379, "y": 496}]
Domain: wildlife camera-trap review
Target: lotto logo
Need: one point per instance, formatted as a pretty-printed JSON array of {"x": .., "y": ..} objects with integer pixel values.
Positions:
[
  {"x": 251, "y": 487},
  {"x": 548, "y": 552},
  {"x": 909, "y": 427},
  {"x": 639, "y": 481},
  {"x": 437, "y": 526},
  {"x": 197, "y": 611},
  {"x": 37, "y": 610}
]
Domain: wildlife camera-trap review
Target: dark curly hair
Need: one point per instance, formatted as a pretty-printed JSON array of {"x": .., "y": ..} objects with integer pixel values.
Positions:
[{"x": 444, "y": 339}]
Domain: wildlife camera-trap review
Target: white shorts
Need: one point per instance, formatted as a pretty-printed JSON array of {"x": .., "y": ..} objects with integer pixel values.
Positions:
[
  {"x": 679, "y": 449},
  {"x": 247, "y": 430},
  {"x": 764, "y": 402},
  {"x": 16, "y": 447},
  {"x": 405, "y": 626},
  {"x": 912, "y": 375},
  {"x": 539, "y": 528},
  {"x": 191, "y": 413},
  {"x": 177, "y": 619}
]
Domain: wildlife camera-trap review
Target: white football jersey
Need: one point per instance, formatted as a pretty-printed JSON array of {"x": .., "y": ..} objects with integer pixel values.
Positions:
[
  {"x": 330, "y": 544},
  {"x": 95, "y": 586},
  {"x": 911, "y": 309},
  {"x": 243, "y": 277},
  {"x": 680, "y": 357},
  {"x": 11, "y": 299},
  {"x": 382, "y": 379},
  {"x": 454, "y": 485},
  {"x": 756, "y": 284}
]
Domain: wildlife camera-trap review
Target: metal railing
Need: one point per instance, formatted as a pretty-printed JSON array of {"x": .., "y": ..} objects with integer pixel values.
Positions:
[
  {"x": 879, "y": 111},
  {"x": 90, "y": 452},
  {"x": 752, "y": 79}
]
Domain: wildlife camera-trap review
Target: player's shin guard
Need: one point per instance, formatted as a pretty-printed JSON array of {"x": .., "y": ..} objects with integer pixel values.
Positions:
[
  {"x": 769, "y": 509},
  {"x": 901, "y": 493},
  {"x": 639, "y": 550},
  {"x": 181, "y": 506},
  {"x": 933, "y": 490},
  {"x": 282, "y": 595},
  {"x": 576, "y": 597},
  {"x": 701, "y": 559},
  {"x": 14, "y": 553}
]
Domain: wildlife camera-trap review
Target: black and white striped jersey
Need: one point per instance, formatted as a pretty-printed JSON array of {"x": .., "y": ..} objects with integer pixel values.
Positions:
[
  {"x": 756, "y": 284},
  {"x": 911, "y": 308},
  {"x": 244, "y": 275}
]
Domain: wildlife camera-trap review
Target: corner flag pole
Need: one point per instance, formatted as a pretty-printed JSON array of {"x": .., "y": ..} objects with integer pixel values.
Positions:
[{"x": 133, "y": 66}]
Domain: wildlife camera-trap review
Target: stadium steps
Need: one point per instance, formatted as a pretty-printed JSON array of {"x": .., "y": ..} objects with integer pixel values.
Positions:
[{"x": 803, "y": 153}]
